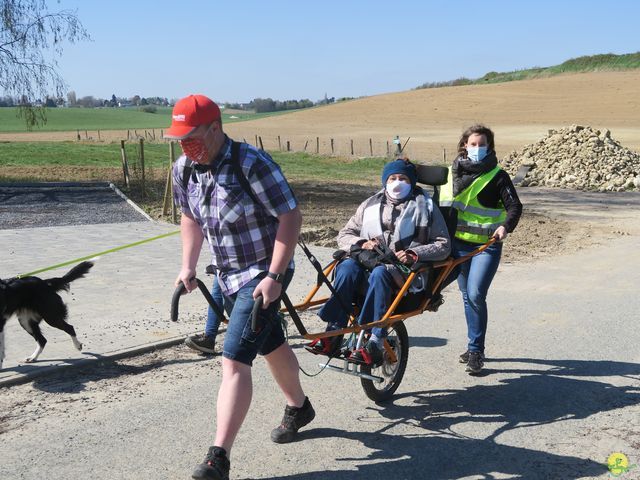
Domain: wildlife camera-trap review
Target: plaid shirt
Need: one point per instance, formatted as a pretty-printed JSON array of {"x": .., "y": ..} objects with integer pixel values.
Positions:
[{"x": 241, "y": 233}]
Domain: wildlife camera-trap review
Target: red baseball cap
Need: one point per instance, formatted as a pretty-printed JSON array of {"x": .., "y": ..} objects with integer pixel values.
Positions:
[{"x": 189, "y": 113}]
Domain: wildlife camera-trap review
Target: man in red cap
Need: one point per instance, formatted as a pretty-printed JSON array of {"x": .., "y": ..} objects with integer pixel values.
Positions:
[{"x": 236, "y": 197}]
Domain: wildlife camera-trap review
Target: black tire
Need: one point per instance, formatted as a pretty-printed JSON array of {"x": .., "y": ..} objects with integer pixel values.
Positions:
[{"x": 391, "y": 372}]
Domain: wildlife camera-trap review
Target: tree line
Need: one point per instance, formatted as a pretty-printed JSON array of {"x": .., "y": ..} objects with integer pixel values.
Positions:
[
  {"x": 88, "y": 101},
  {"x": 262, "y": 105}
]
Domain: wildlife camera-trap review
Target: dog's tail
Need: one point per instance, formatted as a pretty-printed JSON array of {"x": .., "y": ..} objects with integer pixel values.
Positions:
[{"x": 79, "y": 271}]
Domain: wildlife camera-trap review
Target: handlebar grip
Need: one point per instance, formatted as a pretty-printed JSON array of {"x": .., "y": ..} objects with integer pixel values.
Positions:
[
  {"x": 180, "y": 289},
  {"x": 255, "y": 313}
]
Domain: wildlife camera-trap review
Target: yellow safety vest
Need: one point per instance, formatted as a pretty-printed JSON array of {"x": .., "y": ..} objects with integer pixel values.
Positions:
[{"x": 476, "y": 223}]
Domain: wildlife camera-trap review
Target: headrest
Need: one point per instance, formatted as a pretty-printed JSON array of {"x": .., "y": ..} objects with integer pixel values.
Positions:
[{"x": 432, "y": 175}]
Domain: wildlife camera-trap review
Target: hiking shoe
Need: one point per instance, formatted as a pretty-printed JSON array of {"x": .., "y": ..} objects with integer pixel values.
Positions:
[
  {"x": 464, "y": 358},
  {"x": 475, "y": 363},
  {"x": 215, "y": 466},
  {"x": 293, "y": 420},
  {"x": 202, "y": 343},
  {"x": 371, "y": 354}
]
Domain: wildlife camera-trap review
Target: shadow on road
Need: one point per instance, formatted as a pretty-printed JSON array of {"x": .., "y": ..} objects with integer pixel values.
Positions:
[
  {"x": 102, "y": 369},
  {"x": 534, "y": 396}
]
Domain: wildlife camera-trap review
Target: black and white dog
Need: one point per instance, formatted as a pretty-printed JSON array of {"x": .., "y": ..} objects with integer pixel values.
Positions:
[{"x": 32, "y": 300}]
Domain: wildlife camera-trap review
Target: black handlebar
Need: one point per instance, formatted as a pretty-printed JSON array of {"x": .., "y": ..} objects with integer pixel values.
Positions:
[
  {"x": 180, "y": 290},
  {"x": 255, "y": 313}
]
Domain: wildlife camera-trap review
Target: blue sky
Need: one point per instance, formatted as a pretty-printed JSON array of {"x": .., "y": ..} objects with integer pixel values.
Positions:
[{"x": 239, "y": 50}]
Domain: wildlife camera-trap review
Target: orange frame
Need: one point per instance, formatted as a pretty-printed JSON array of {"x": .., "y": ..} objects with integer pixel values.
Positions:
[{"x": 389, "y": 317}]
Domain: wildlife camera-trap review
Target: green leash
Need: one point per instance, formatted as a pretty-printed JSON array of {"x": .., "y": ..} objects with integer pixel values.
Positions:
[{"x": 111, "y": 250}]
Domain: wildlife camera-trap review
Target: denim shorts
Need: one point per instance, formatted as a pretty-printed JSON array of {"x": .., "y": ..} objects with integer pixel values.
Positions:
[{"x": 240, "y": 342}]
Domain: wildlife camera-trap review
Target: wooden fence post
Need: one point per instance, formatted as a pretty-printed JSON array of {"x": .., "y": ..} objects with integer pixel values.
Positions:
[
  {"x": 86, "y": 135},
  {"x": 174, "y": 214},
  {"x": 317, "y": 144},
  {"x": 128, "y": 135},
  {"x": 387, "y": 148},
  {"x": 370, "y": 148},
  {"x": 256, "y": 144},
  {"x": 260, "y": 141},
  {"x": 125, "y": 165},
  {"x": 444, "y": 155},
  {"x": 288, "y": 146},
  {"x": 279, "y": 144},
  {"x": 142, "y": 163},
  {"x": 332, "y": 146},
  {"x": 352, "y": 147},
  {"x": 99, "y": 136},
  {"x": 305, "y": 145},
  {"x": 168, "y": 191},
  {"x": 78, "y": 134}
]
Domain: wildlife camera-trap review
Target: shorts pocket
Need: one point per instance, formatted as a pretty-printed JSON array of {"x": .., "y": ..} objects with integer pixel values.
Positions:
[{"x": 265, "y": 324}]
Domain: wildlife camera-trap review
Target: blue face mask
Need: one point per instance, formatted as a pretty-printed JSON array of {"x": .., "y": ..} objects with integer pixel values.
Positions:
[{"x": 476, "y": 154}]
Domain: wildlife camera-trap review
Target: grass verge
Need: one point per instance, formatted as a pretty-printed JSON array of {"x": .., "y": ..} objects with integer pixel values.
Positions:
[{"x": 76, "y": 161}]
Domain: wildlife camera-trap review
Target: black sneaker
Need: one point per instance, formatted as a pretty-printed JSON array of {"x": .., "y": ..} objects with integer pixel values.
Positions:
[
  {"x": 464, "y": 358},
  {"x": 370, "y": 354},
  {"x": 475, "y": 363},
  {"x": 202, "y": 343},
  {"x": 215, "y": 466},
  {"x": 293, "y": 420}
]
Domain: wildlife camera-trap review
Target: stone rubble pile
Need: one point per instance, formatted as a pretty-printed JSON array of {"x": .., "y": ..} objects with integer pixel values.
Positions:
[{"x": 577, "y": 157}]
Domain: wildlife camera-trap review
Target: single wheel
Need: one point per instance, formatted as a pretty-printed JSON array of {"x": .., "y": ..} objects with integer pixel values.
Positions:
[{"x": 391, "y": 372}]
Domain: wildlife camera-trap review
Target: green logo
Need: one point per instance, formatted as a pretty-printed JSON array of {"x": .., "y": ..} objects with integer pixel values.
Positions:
[{"x": 618, "y": 464}]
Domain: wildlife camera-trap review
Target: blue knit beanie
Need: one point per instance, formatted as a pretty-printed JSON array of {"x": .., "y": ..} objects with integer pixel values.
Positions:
[{"x": 399, "y": 166}]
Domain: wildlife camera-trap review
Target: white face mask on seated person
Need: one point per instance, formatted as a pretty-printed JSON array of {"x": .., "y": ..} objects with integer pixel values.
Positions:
[{"x": 398, "y": 186}]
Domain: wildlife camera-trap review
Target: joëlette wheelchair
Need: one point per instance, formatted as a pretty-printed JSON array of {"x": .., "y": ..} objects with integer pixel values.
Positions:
[{"x": 378, "y": 381}]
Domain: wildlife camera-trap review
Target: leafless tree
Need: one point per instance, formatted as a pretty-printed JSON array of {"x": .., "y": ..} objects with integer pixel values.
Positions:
[{"x": 31, "y": 40}]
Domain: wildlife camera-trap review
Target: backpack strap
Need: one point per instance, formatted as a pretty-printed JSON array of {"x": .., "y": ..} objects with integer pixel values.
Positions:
[
  {"x": 237, "y": 168},
  {"x": 186, "y": 173}
]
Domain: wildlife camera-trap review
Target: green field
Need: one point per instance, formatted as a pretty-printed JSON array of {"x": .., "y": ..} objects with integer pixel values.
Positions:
[
  {"x": 297, "y": 166},
  {"x": 69, "y": 119}
]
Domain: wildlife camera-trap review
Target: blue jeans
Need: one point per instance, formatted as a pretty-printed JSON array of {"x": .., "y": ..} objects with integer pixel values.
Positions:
[
  {"x": 474, "y": 281},
  {"x": 240, "y": 342},
  {"x": 213, "y": 320},
  {"x": 350, "y": 275}
]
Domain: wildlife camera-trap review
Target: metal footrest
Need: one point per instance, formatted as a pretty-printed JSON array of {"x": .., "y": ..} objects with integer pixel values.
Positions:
[{"x": 352, "y": 369}]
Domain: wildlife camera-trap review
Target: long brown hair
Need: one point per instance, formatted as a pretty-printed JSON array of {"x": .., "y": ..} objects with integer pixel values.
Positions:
[{"x": 480, "y": 130}]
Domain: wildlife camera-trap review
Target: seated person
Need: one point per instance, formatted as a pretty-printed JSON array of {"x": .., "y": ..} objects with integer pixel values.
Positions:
[{"x": 403, "y": 218}]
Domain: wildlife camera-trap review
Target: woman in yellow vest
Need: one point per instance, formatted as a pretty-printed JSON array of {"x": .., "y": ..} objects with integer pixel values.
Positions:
[{"x": 482, "y": 197}]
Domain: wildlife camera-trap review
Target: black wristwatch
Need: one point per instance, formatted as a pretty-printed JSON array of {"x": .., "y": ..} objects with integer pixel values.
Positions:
[{"x": 278, "y": 277}]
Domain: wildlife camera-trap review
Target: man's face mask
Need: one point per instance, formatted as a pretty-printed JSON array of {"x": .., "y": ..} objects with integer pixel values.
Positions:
[
  {"x": 398, "y": 189},
  {"x": 477, "y": 154},
  {"x": 195, "y": 149}
]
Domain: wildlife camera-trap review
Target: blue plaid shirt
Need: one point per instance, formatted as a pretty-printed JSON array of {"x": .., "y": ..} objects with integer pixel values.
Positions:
[{"x": 241, "y": 233}]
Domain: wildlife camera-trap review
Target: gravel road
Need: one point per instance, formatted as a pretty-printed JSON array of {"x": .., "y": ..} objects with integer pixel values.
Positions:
[
  {"x": 46, "y": 205},
  {"x": 560, "y": 393}
]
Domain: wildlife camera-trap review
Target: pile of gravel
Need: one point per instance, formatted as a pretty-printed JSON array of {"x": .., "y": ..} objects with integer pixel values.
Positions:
[{"x": 577, "y": 157}]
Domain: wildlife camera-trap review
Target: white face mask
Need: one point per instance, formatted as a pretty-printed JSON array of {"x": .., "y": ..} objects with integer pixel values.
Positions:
[
  {"x": 477, "y": 154},
  {"x": 398, "y": 189}
]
